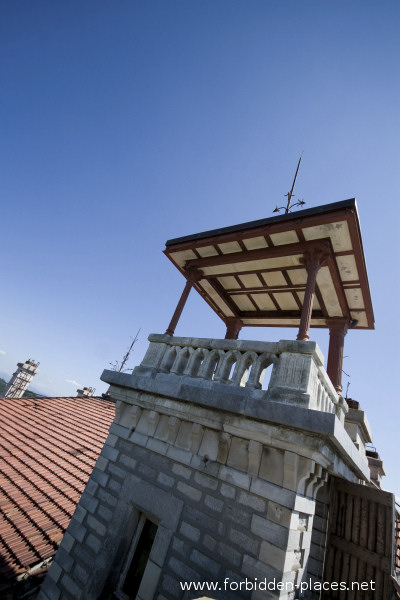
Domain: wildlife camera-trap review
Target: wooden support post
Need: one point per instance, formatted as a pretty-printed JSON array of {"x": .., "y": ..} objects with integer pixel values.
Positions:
[
  {"x": 313, "y": 260},
  {"x": 193, "y": 275},
  {"x": 337, "y": 330},
  {"x": 233, "y": 327}
]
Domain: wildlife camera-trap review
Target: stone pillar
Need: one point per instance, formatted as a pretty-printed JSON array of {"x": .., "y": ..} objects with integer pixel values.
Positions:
[
  {"x": 233, "y": 327},
  {"x": 313, "y": 260},
  {"x": 337, "y": 331},
  {"x": 193, "y": 275},
  {"x": 375, "y": 466}
]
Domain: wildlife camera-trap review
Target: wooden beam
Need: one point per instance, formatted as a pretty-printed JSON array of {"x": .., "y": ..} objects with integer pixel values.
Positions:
[
  {"x": 260, "y": 254},
  {"x": 215, "y": 284},
  {"x": 278, "y": 314}
]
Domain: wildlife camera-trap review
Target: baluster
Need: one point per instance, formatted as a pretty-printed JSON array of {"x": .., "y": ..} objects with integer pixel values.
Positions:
[
  {"x": 260, "y": 365},
  {"x": 210, "y": 364},
  {"x": 181, "y": 361},
  {"x": 169, "y": 359},
  {"x": 194, "y": 364},
  {"x": 225, "y": 366},
  {"x": 319, "y": 388}
]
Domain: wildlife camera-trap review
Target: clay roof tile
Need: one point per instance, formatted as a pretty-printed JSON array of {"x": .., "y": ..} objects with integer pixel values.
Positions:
[{"x": 48, "y": 448}]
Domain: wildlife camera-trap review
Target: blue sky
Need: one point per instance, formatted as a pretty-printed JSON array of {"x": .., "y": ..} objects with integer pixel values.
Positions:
[{"x": 127, "y": 123}]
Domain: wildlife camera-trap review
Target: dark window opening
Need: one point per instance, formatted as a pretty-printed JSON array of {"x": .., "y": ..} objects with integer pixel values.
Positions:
[{"x": 139, "y": 560}]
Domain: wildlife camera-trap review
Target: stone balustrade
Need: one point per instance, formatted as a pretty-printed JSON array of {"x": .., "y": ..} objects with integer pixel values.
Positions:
[
  {"x": 297, "y": 373},
  {"x": 223, "y": 361}
]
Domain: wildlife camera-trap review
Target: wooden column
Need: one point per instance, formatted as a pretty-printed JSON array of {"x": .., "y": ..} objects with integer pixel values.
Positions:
[
  {"x": 313, "y": 260},
  {"x": 337, "y": 330},
  {"x": 233, "y": 327},
  {"x": 192, "y": 275}
]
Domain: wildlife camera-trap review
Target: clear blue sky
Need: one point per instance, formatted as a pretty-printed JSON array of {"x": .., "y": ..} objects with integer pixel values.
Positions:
[{"x": 126, "y": 123}]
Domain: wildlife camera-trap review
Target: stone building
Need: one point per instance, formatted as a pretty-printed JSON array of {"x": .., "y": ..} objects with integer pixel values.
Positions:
[{"x": 214, "y": 483}]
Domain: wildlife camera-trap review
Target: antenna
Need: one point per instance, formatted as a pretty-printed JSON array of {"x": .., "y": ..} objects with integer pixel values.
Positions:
[
  {"x": 120, "y": 367},
  {"x": 124, "y": 360},
  {"x": 290, "y": 194}
]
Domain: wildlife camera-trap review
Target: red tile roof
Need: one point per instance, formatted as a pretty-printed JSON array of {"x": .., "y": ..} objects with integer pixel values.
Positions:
[{"x": 48, "y": 447}]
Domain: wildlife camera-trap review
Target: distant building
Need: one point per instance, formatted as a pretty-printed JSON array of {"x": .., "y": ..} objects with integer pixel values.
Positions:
[
  {"x": 20, "y": 380},
  {"x": 86, "y": 392}
]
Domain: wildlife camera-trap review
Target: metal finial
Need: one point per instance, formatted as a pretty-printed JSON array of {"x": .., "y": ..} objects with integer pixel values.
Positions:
[{"x": 290, "y": 194}]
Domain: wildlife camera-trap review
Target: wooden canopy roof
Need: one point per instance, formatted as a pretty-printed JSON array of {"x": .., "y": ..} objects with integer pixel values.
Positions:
[{"x": 254, "y": 271}]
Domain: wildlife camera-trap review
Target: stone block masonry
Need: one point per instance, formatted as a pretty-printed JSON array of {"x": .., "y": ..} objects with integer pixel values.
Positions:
[
  {"x": 232, "y": 494},
  {"x": 204, "y": 534}
]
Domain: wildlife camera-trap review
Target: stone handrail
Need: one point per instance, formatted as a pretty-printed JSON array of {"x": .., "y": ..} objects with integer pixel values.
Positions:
[{"x": 297, "y": 377}]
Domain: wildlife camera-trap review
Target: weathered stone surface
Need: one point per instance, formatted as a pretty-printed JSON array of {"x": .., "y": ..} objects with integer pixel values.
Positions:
[
  {"x": 206, "y": 481},
  {"x": 102, "y": 463},
  {"x": 192, "y": 533},
  {"x": 184, "y": 572},
  {"x": 104, "y": 513},
  {"x": 181, "y": 471},
  {"x": 96, "y": 526},
  {"x": 189, "y": 491},
  {"x": 114, "y": 485},
  {"x": 232, "y": 556},
  {"x": 271, "y": 532},
  {"x": 215, "y": 504},
  {"x": 110, "y": 453},
  {"x": 55, "y": 572},
  {"x": 106, "y": 497},
  {"x": 277, "y": 513},
  {"x": 100, "y": 477},
  {"x": 247, "y": 543},
  {"x": 206, "y": 564},
  {"x": 81, "y": 574},
  {"x": 209, "y": 542},
  {"x": 86, "y": 504},
  {"x": 91, "y": 487},
  {"x": 165, "y": 480},
  {"x": 74, "y": 590},
  {"x": 252, "y": 501},
  {"x": 228, "y": 491},
  {"x": 66, "y": 560},
  {"x": 93, "y": 543}
]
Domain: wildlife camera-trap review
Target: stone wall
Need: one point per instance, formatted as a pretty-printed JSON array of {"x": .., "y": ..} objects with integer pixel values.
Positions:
[
  {"x": 212, "y": 526},
  {"x": 315, "y": 565}
]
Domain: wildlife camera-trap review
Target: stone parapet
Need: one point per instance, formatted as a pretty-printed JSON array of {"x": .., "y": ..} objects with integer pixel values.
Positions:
[{"x": 297, "y": 373}]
